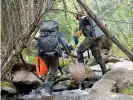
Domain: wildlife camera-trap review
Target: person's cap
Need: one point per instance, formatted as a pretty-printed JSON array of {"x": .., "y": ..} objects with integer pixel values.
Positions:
[{"x": 79, "y": 14}]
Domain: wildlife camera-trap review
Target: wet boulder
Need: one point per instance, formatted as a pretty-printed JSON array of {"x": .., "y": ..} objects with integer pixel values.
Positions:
[
  {"x": 59, "y": 87},
  {"x": 109, "y": 96},
  {"x": 114, "y": 81},
  {"x": 110, "y": 65},
  {"x": 104, "y": 85},
  {"x": 119, "y": 75},
  {"x": 25, "y": 81},
  {"x": 25, "y": 77},
  {"x": 128, "y": 65}
]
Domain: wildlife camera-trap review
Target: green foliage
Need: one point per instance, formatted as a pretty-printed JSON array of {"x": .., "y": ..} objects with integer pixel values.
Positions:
[
  {"x": 117, "y": 52},
  {"x": 6, "y": 84},
  {"x": 67, "y": 24},
  {"x": 128, "y": 90},
  {"x": 112, "y": 10},
  {"x": 30, "y": 57},
  {"x": 65, "y": 62},
  {"x": 105, "y": 9}
]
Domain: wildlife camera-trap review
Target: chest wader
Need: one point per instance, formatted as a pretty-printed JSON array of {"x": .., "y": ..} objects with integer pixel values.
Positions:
[
  {"x": 52, "y": 61},
  {"x": 94, "y": 45},
  {"x": 49, "y": 51},
  {"x": 96, "y": 52}
]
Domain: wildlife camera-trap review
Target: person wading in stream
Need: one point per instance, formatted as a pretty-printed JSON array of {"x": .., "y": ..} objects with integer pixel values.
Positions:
[
  {"x": 91, "y": 41},
  {"x": 49, "y": 50}
]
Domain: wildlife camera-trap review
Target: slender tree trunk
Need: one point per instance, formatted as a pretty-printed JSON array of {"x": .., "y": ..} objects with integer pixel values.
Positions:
[
  {"x": 106, "y": 31},
  {"x": 119, "y": 2},
  {"x": 129, "y": 2},
  {"x": 30, "y": 17},
  {"x": 21, "y": 42}
]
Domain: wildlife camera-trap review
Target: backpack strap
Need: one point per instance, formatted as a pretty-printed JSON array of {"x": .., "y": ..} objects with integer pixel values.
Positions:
[
  {"x": 38, "y": 56},
  {"x": 91, "y": 27}
]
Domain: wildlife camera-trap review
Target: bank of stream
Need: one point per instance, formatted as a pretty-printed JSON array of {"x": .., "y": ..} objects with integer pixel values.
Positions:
[{"x": 94, "y": 86}]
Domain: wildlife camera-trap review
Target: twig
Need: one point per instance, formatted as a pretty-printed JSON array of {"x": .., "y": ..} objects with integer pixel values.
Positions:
[
  {"x": 87, "y": 15},
  {"x": 120, "y": 30},
  {"x": 97, "y": 7},
  {"x": 22, "y": 59}
]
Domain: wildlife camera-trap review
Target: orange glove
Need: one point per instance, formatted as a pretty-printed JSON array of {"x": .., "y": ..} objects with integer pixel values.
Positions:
[{"x": 78, "y": 33}]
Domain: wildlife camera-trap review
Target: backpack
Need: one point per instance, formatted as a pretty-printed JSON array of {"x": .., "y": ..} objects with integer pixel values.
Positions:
[
  {"x": 93, "y": 29},
  {"x": 98, "y": 32},
  {"x": 48, "y": 38}
]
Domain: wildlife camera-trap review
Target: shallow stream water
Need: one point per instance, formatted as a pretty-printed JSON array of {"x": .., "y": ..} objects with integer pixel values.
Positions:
[{"x": 64, "y": 95}]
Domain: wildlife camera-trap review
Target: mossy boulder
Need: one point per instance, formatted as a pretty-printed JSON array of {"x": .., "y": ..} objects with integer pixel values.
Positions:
[{"x": 7, "y": 88}]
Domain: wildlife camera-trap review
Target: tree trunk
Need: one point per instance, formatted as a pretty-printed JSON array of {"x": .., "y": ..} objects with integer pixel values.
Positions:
[
  {"x": 22, "y": 41},
  {"x": 129, "y": 2},
  {"x": 119, "y": 2},
  {"x": 106, "y": 31},
  {"x": 30, "y": 17}
]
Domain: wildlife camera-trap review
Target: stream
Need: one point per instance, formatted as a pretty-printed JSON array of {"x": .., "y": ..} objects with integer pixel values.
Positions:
[
  {"x": 63, "y": 93},
  {"x": 76, "y": 94}
]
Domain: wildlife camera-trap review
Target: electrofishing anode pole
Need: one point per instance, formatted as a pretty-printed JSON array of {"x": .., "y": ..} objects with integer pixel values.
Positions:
[{"x": 67, "y": 49}]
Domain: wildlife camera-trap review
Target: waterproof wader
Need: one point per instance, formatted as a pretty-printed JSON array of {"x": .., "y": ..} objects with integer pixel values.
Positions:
[
  {"x": 95, "y": 49},
  {"x": 52, "y": 64}
]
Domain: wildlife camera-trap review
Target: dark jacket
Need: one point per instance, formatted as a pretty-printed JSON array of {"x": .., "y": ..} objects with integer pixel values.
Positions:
[{"x": 86, "y": 26}]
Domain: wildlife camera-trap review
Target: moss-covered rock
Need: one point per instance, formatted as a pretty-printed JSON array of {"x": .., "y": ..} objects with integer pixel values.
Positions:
[{"x": 7, "y": 88}]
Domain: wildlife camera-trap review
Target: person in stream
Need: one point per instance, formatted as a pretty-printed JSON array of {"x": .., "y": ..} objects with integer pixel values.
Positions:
[
  {"x": 91, "y": 41},
  {"x": 49, "y": 49}
]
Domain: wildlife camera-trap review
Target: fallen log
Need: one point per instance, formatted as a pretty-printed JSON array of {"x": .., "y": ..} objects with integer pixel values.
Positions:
[{"x": 105, "y": 30}]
